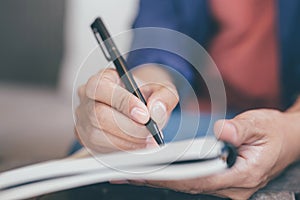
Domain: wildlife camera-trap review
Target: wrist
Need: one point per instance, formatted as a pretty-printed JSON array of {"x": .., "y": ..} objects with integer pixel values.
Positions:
[
  {"x": 293, "y": 114},
  {"x": 292, "y": 135}
]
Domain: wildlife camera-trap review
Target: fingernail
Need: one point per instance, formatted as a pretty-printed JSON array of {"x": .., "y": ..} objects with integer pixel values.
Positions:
[
  {"x": 159, "y": 112},
  {"x": 139, "y": 115}
]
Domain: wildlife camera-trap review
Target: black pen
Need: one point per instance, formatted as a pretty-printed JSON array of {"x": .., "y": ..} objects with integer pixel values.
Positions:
[{"x": 101, "y": 33}]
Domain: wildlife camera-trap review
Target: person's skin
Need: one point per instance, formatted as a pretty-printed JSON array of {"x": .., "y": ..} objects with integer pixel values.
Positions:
[
  {"x": 109, "y": 117},
  {"x": 267, "y": 140}
]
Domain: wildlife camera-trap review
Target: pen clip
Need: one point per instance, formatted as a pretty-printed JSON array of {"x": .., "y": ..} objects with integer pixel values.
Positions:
[{"x": 98, "y": 38}]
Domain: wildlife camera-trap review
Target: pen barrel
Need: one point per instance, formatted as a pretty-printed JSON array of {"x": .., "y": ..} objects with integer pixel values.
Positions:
[
  {"x": 115, "y": 56},
  {"x": 153, "y": 128},
  {"x": 132, "y": 87},
  {"x": 128, "y": 79},
  {"x": 99, "y": 29}
]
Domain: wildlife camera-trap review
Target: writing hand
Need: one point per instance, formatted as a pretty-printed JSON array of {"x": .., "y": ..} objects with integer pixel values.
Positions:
[{"x": 109, "y": 118}]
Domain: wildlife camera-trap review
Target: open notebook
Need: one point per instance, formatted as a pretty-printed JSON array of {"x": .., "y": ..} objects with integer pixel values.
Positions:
[{"x": 174, "y": 161}]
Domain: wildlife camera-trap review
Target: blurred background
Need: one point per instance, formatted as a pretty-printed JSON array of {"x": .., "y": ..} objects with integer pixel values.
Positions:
[{"x": 43, "y": 44}]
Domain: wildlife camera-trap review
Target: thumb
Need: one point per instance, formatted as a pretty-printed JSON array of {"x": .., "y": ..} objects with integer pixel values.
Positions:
[
  {"x": 161, "y": 103},
  {"x": 235, "y": 131}
]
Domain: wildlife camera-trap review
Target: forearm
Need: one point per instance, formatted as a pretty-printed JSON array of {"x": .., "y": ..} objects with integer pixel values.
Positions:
[{"x": 293, "y": 129}]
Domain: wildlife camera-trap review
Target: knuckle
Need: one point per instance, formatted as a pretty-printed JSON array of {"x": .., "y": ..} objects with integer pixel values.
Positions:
[
  {"x": 252, "y": 117},
  {"x": 92, "y": 114},
  {"x": 80, "y": 91},
  {"x": 259, "y": 118},
  {"x": 101, "y": 113},
  {"x": 250, "y": 121},
  {"x": 104, "y": 81},
  {"x": 91, "y": 87},
  {"x": 89, "y": 107},
  {"x": 109, "y": 75},
  {"x": 122, "y": 102}
]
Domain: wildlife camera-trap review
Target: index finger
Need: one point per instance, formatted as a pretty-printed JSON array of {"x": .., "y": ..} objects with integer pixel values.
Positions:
[{"x": 105, "y": 87}]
